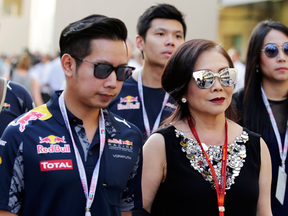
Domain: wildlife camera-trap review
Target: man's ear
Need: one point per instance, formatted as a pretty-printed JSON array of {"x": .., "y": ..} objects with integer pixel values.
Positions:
[
  {"x": 68, "y": 65},
  {"x": 139, "y": 42}
]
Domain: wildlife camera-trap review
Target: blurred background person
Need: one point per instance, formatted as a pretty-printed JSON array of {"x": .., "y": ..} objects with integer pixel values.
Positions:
[
  {"x": 263, "y": 103},
  {"x": 40, "y": 72},
  {"x": 21, "y": 76},
  {"x": 8, "y": 64},
  {"x": 200, "y": 156},
  {"x": 56, "y": 79},
  {"x": 234, "y": 55}
]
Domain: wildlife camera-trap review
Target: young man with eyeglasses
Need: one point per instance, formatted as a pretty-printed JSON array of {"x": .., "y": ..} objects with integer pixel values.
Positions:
[
  {"x": 71, "y": 156},
  {"x": 142, "y": 101}
]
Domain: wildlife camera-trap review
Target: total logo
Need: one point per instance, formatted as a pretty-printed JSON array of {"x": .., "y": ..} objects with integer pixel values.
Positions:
[
  {"x": 128, "y": 102},
  {"x": 51, "y": 165},
  {"x": 53, "y": 148},
  {"x": 24, "y": 120}
]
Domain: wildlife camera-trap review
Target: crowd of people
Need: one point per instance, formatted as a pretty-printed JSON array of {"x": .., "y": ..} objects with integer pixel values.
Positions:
[{"x": 169, "y": 137}]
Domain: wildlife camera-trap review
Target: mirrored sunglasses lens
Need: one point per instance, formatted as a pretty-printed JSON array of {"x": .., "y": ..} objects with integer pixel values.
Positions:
[
  {"x": 204, "y": 79},
  {"x": 228, "y": 77},
  {"x": 271, "y": 50},
  {"x": 285, "y": 48},
  {"x": 102, "y": 71}
]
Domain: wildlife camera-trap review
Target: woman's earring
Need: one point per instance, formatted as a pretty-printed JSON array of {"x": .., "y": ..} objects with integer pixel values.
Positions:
[
  {"x": 257, "y": 70},
  {"x": 184, "y": 100}
]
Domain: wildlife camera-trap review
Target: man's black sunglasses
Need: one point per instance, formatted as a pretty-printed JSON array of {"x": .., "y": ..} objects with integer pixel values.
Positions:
[{"x": 102, "y": 70}]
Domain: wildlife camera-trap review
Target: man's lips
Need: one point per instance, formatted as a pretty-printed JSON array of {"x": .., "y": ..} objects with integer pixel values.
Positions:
[
  {"x": 168, "y": 53},
  {"x": 217, "y": 100},
  {"x": 106, "y": 96}
]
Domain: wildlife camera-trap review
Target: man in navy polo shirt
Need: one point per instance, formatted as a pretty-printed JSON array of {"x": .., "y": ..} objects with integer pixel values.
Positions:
[
  {"x": 71, "y": 156},
  {"x": 17, "y": 101},
  {"x": 142, "y": 101}
]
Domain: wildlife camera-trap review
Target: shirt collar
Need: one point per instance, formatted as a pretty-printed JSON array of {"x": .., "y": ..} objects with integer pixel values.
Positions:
[{"x": 112, "y": 126}]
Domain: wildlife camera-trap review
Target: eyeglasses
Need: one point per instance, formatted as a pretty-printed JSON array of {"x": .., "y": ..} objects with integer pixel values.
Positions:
[
  {"x": 205, "y": 78},
  {"x": 102, "y": 70},
  {"x": 272, "y": 50}
]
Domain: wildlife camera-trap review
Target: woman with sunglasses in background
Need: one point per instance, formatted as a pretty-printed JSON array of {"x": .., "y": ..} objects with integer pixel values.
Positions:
[
  {"x": 179, "y": 170},
  {"x": 263, "y": 103}
]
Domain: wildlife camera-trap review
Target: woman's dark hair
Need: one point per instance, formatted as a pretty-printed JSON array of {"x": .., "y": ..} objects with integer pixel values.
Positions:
[
  {"x": 178, "y": 72},
  {"x": 162, "y": 11},
  {"x": 253, "y": 108},
  {"x": 76, "y": 37}
]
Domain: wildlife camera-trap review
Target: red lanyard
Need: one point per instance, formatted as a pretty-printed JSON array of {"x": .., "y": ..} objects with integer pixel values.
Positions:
[{"x": 219, "y": 184}]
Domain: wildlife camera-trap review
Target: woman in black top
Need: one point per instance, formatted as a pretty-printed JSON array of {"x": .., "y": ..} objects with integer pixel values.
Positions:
[
  {"x": 179, "y": 174},
  {"x": 266, "y": 79}
]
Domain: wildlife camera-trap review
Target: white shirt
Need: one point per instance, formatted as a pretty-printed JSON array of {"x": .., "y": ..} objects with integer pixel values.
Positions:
[{"x": 241, "y": 75}]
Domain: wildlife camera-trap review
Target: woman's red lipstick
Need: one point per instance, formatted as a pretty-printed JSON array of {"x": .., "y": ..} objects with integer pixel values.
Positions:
[{"x": 217, "y": 100}]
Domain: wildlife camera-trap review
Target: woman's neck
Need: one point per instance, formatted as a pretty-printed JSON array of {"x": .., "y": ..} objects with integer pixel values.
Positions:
[
  {"x": 275, "y": 91},
  {"x": 210, "y": 129}
]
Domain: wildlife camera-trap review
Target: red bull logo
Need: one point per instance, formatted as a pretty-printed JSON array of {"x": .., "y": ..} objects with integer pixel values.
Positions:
[
  {"x": 24, "y": 120},
  {"x": 6, "y": 105},
  {"x": 53, "y": 140},
  {"x": 50, "y": 165},
  {"x": 129, "y": 99},
  {"x": 122, "y": 142},
  {"x": 116, "y": 141},
  {"x": 128, "y": 102},
  {"x": 127, "y": 142}
]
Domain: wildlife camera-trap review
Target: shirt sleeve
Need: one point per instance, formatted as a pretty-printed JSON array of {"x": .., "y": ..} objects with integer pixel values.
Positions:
[
  {"x": 132, "y": 195},
  {"x": 11, "y": 166}
]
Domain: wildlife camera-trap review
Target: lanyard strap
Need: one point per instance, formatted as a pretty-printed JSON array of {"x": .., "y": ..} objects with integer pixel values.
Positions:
[
  {"x": 219, "y": 183},
  {"x": 145, "y": 117},
  {"x": 283, "y": 154},
  {"x": 82, "y": 174}
]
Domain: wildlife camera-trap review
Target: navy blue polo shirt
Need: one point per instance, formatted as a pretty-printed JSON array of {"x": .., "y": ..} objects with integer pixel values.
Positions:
[
  {"x": 17, "y": 101},
  {"x": 128, "y": 105},
  {"x": 41, "y": 173}
]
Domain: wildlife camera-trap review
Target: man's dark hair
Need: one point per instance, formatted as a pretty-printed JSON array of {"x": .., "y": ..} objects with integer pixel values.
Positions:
[
  {"x": 76, "y": 37},
  {"x": 162, "y": 11}
]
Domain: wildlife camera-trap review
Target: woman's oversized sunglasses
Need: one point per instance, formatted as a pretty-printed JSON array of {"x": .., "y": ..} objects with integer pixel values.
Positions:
[
  {"x": 102, "y": 70},
  {"x": 205, "y": 78},
  {"x": 272, "y": 50}
]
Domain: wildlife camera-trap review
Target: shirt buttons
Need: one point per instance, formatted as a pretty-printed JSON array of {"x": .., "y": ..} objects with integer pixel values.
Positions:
[{"x": 90, "y": 153}]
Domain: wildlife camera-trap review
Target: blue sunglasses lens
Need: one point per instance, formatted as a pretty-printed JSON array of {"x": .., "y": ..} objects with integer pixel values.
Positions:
[{"x": 271, "y": 50}]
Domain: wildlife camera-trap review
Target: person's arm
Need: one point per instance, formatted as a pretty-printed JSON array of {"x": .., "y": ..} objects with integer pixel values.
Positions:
[
  {"x": 6, "y": 213},
  {"x": 154, "y": 168},
  {"x": 264, "y": 204}
]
